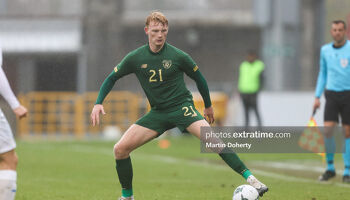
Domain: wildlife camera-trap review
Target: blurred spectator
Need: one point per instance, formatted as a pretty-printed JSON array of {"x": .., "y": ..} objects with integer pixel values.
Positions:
[{"x": 250, "y": 83}]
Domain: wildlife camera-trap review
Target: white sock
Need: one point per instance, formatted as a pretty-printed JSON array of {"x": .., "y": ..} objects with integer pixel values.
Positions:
[{"x": 8, "y": 184}]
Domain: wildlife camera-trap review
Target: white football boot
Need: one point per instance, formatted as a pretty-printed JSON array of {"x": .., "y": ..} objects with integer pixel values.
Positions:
[{"x": 262, "y": 188}]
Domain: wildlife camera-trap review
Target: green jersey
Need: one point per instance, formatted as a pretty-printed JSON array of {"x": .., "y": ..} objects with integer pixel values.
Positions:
[{"x": 161, "y": 75}]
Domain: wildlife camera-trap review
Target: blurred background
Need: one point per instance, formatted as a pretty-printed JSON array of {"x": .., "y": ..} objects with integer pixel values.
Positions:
[{"x": 57, "y": 54}]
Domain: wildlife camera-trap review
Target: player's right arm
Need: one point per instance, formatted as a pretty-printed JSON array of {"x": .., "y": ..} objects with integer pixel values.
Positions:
[
  {"x": 321, "y": 81},
  {"x": 122, "y": 69},
  {"x": 6, "y": 92}
]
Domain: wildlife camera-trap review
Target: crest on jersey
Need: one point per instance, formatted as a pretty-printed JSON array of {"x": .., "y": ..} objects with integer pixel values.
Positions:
[
  {"x": 166, "y": 64},
  {"x": 344, "y": 62}
]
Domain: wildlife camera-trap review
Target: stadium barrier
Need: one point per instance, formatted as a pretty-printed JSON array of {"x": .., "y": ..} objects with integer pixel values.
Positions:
[{"x": 68, "y": 113}]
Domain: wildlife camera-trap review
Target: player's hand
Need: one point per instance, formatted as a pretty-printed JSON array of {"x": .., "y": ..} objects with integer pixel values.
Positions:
[
  {"x": 209, "y": 115},
  {"x": 317, "y": 104},
  {"x": 95, "y": 114},
  {"x": 20, "y": 111}
]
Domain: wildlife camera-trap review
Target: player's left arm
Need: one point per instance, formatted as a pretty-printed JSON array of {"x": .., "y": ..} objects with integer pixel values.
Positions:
[{"x": 191, "y": 69}]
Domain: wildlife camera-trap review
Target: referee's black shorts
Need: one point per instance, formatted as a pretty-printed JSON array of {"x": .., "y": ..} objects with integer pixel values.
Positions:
[{"x": 337, "y": 103}]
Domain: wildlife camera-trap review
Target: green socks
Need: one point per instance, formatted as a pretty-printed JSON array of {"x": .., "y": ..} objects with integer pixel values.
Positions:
[
  {"x": 127, "y": 193},
  {"x": 125, "y": 174},
  {"x": 124, "y": 170},
  {"x": 235, "y": 163},
  {"x": 246, "y": 174}
]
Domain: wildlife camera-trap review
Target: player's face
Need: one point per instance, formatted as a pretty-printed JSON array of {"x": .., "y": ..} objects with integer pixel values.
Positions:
[
  {"x": 157, "y": 33},
  {"x": 338, "y": 32}
]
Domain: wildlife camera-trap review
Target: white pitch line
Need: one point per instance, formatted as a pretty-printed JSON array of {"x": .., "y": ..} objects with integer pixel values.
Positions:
[
  {"x": 293, "y": 166},
  {"x": 169, "y": 159},
  {"x": 290, "y": 166},
  {"x": 273, "y": 175}
]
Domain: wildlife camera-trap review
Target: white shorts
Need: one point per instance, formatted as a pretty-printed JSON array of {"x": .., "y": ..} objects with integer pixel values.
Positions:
[{"x": 7, "y": 142}]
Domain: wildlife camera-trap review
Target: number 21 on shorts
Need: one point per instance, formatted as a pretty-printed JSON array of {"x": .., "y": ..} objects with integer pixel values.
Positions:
[{"x": 189, "y": 111}]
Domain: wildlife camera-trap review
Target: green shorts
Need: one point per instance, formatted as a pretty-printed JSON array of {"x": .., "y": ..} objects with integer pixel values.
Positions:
[{"x": 180, "y": 116}]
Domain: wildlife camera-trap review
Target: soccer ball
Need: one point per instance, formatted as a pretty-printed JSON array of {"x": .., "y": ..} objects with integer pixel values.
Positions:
[{"x": 245, "y": 192}]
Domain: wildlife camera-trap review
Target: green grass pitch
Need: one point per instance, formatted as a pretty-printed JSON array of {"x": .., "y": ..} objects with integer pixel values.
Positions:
[{"x": 76, "y": 170}]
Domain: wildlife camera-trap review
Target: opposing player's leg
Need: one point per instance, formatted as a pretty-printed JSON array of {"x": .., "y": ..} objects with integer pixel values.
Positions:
[
  {"x": 231, "y": 159},
  {"x": 8, "y": 161},
  {"x": 8, "y": 175},
  {"x": 133, "y": 138}
]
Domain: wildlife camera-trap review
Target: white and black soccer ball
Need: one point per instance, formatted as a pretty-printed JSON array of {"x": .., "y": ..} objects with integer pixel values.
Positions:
[{"x": 245, "y": 192}]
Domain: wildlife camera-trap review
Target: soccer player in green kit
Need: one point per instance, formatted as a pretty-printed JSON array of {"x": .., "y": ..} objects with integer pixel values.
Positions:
[{"x": 160, "y": 67}]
